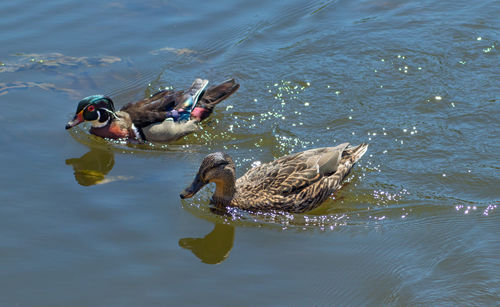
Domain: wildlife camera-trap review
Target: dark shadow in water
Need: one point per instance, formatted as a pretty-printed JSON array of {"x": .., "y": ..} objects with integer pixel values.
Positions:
[
  {"x": 214, "y": 247},
  {"x": 92, "y": 167}
]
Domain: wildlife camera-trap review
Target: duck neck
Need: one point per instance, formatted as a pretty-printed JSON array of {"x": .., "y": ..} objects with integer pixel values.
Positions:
[{"x": 224, "y": 192}]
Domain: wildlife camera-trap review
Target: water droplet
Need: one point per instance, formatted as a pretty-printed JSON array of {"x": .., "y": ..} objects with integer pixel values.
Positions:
[
  {"x": 438, "y": 98},
  {"x": 479, "y": 38}
]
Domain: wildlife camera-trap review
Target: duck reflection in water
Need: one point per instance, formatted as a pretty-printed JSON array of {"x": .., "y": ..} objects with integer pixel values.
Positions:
[
  {"x": 92, "y": 167},
  {"x": 214, "y": 247}
]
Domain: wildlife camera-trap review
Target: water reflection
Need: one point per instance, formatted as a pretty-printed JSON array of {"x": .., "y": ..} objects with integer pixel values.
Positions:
[
  {"x": 92, "y": 167},
  {"x": 214, "y": 247}
]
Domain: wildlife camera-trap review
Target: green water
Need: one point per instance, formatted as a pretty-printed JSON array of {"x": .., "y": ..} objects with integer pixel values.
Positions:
[{"x": 88, "y": 222}]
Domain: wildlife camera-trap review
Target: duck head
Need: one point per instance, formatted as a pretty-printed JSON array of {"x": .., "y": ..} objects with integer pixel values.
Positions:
[
  {"x": 218, "y": 168},
  {"x": 96, "y": 109}
]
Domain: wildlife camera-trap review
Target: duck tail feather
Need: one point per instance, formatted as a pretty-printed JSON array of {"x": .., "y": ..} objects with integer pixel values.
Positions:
[
  {"x": 215, "y": 94},
  {"x": 356, "y": 152}
]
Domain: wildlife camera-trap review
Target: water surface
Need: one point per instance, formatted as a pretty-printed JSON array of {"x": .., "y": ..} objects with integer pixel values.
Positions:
[{"x": 86, "y": 222}]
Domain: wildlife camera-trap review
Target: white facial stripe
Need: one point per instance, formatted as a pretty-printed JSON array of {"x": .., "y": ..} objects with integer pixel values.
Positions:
[
  {"x": 110, "y": 112},
  {"x": 97, "y": 124}
]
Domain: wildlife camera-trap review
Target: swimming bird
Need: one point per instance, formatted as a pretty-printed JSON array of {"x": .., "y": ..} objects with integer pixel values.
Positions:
[
  {"x": 166, "y": 116},
  {"x": 295, "y": 183}
]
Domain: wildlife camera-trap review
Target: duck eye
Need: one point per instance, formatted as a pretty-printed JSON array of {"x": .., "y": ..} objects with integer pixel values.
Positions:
[{"x": 91, "y": 108}]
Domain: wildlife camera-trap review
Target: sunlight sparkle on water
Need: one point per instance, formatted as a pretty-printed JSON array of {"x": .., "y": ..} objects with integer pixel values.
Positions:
[
  {"x": 489, "y": 49},
  {"x": 255, "y": 164},
  {"x": 489, "y": 209},
  {"x": 470, "y": 208},
  {"x": 386, "y": 198}
]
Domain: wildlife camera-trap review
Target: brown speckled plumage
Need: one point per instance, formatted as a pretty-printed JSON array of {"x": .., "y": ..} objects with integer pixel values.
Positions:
[{"x": 295, "y": 183}]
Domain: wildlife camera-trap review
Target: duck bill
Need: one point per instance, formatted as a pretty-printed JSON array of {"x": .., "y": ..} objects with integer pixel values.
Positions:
[
  {"x": 195, "y": 186},
  {"x": 76, "y": 120}
]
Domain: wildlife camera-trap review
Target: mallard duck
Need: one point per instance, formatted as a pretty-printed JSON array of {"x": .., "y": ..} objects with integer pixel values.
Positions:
[
  {"x": 164, "y": 117},
  {"x": 295, "y": 183}
]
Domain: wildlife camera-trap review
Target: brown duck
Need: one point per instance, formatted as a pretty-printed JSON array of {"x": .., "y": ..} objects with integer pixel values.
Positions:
[
  {"x": 165, "y": 116},
  {"x": 294, "y": 183}
]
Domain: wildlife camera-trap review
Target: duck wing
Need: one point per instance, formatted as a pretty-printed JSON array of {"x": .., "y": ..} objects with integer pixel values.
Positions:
[
  {"x": 295, "y": 183},
  {"x": 154, "y": 109}
]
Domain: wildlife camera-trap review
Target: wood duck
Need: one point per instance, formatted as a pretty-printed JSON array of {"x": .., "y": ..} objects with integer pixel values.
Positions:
[{"x": 166, "y": 116}]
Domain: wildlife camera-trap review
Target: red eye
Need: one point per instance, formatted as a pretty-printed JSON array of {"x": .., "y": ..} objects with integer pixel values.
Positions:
[{"x": 91, "y": 109}]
